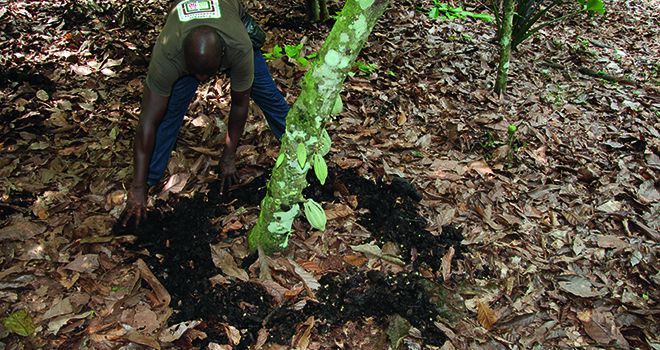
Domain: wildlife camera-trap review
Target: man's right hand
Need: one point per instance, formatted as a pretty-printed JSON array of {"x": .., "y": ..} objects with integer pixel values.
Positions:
[{"x": 136, "y": 206}]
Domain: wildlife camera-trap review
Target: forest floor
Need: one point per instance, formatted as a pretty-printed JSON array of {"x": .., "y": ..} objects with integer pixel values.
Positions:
[{"x": 444, "y": 232}]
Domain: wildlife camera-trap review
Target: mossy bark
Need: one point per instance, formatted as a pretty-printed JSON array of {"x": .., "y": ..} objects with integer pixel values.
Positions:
[
  {"x": 306, "y": 119},
  {"x": 505, "y": 47}
]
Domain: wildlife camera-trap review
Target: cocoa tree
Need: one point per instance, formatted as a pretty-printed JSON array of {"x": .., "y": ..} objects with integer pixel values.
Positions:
[
  {"x": 305, "y": 141},
  {"x": 518, "y": 20}
]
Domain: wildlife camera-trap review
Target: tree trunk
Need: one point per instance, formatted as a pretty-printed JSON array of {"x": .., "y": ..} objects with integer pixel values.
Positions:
[
  {"x": 505, "y": 47},
  {"x": 302, "y": 141},
  {"x": 317, "y": 10}
]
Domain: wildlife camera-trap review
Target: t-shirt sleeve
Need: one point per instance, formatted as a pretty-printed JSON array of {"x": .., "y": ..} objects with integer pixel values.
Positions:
[
  {"x": 159, "y": 76},
  {"x": 242, "y": 71}
]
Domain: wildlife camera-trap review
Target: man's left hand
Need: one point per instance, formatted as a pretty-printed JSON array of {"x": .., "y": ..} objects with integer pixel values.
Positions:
[{"x": 228, "y": 174}]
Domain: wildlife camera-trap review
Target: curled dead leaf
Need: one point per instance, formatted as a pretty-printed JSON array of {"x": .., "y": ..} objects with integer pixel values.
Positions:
[
  {"x": 446, "y": 263},
  {"x": 161, "y": 293},
  {"x": 223, "y": 260},
  {"x": 480, "y": 167}
]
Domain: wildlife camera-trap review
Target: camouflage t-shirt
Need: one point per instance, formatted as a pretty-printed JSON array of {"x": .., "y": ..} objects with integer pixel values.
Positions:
[{"x": 167, "y": 60}]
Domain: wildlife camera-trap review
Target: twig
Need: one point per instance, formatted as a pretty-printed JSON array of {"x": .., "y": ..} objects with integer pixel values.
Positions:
[
  {"x": 593, "y": 73},
  {"x": 605, "y": 76}
]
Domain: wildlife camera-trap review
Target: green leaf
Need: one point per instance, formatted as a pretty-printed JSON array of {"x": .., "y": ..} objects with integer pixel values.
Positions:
[
  {"x": 482, "y": 16},
  {"x": 338, "y": 106},
  {"x": 280, "y": 160},
  {"x": 315, "y": 214},
  {"x": 320, "y": 168},
  {"x": 325, "y": 143},
  {"x": 303, "y": 61},
  {"x": 434, "y": 13},
  {"x": 277, "y": 51},
  {"x": 511, "y": 129},
  {"x": 20, "y": 323},
  {"x": 596, "y": 6},
  {"x": 274, "y": 54},
  {"x": 114, "y": 133},
  {"x": 293, "y": 51},
  {"x": 301, "y": 153}
]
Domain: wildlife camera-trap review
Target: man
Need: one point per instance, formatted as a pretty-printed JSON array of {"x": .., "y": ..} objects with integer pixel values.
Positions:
[{"x": 200, "y": 39}]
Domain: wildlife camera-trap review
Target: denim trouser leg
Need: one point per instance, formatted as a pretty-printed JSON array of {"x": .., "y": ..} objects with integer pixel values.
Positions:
[
  {"x": 182, "y": 93},
  {"x": 268, "y": 97}
]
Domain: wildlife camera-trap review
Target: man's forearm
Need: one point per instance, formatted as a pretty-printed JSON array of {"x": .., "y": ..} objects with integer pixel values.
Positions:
[
  {"x": 142, "y": 150},
  {"x": 237, "y": 118},
  {"x": 153, "y": 109}
]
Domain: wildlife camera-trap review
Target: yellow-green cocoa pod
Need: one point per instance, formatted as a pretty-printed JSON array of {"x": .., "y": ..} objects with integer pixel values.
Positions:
[{"x": 315, "y": 214}]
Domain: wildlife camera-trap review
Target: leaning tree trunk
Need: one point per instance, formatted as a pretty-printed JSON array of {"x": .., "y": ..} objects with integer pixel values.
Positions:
[
  {"x": 302, "y": 144},
  {"x": 317, "y": 10},
  {"x": 505, "y": 47}
]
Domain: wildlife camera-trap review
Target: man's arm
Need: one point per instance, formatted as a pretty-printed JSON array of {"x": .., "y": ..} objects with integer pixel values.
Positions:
[
  {"x": 237, "y": 117},
  {"x": 153, "y": 109}
]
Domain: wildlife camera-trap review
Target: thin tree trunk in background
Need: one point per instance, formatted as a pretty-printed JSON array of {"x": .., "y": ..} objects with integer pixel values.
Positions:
[
  {"x": 306, "y": 119},
  {"x": 505, "y": 47},
  {"x": 317, "y": 10}
]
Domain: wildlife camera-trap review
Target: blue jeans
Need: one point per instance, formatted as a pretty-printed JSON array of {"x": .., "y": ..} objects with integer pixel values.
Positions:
[{"x": 264, "y": 93}]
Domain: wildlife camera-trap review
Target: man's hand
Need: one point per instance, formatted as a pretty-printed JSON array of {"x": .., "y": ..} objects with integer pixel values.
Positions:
[
  {"x": 228, "y": 174},
  {"x": 136, "y": 207}
]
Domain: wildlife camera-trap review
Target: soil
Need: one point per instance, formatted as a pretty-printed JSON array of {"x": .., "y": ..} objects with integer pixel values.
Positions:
[
  {"x": 390, "y": 215},
  {"x": 393, "y": 217}
]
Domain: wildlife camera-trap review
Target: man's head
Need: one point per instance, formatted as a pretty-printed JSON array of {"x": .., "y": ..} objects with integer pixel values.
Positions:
[{"x": 203, "y": 49}]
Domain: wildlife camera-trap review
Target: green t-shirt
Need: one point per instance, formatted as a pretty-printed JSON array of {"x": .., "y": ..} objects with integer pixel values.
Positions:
[{"x": 167, "y": 60}]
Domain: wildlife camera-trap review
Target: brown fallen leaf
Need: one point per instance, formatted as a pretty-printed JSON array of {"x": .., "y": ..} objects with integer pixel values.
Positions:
[
  {"x": 311, "y": 283},
  {"x": 610, "y": 241},
  {"x": 600, "y": 326},
  {"x": 401, "y": 118},
  {"x": 175, "y": 332},
  {"x": 145, "y": 320},
  {"x": 232, "y": 226},
  {"x": 262, "y": 338},
  {"x": 58, "y": 309},
  {"x": 142, "y": 339},
  {"x": 356, "y": 260},
  {"x": 274, "y": 289},
  {"x": 338, "y": 211},
  {"x": 446, "y": 264},
  {"x": 310, "y": 266},
  {"x": 223, "y": 260},
  {"x": 21, "y": 230},
  {"x": 485, "y": 315},
  {"x": 84, "y": 263},
  {"x": 480, "y": 167},
  {"x": 578, "y": 285},
  {"x": 161, "y": 293},
  {"x": 233, "y": 334},
  {"x": 176, "y": 183},
  {"x": 301, "y": 342}
]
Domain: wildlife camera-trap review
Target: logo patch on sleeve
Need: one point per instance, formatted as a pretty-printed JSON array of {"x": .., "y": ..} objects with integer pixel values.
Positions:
[{"x": 198, "y": 9}]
